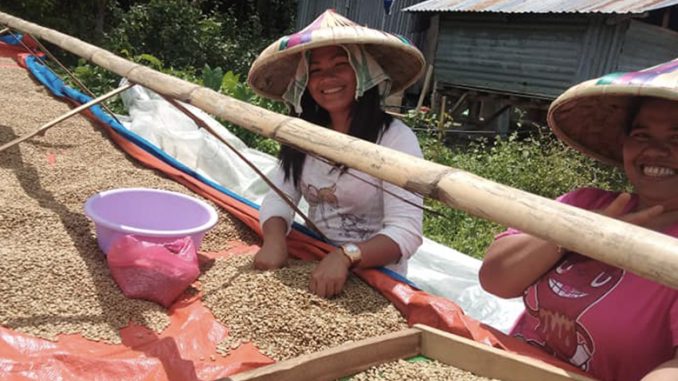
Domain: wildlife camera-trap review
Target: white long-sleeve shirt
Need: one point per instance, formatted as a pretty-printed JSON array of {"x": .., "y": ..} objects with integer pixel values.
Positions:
[{"x": 347, "y": 209}]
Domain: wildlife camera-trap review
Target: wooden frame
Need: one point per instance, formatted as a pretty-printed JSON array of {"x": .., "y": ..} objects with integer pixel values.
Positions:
[{"x": 450, "y": 349}]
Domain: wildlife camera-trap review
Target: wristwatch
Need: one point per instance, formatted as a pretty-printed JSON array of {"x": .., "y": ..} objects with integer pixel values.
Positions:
[{"x": 352, "y": 251}]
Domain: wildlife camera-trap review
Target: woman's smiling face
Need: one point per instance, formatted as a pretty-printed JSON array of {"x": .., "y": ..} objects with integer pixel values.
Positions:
[
  {"x": 332, "y": 81},
  {"x": 651, "y": 153}
]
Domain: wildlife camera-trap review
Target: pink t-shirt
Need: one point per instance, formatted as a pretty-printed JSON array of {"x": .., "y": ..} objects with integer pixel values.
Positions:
[{"x": 612, "y": 323}]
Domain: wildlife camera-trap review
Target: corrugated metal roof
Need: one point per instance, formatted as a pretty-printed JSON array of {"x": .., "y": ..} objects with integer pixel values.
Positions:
[{"x": 542, "y": 6}]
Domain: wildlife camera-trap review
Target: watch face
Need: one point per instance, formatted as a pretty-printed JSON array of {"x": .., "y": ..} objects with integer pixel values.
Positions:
[
  {"x": 351, "y": 248},
  {"x": 352, "y": 251}
]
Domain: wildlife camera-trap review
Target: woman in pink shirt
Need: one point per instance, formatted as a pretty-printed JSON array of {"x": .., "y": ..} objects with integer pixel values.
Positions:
[{"x": 607, "y": 321}]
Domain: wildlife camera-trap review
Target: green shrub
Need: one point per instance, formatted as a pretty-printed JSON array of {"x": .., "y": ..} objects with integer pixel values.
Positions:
[
  {"x": 181, "y": 35},
  {"x": 100, "y": 81},
  {"x": 231, "y": 85},
  {"x": 173, "y": 30},
  {"x": 539, "y": 164}
]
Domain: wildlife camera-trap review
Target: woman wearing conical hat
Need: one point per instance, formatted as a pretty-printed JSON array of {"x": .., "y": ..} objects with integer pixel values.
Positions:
[
  {"x": 600, "y": 318},
  {"x": 335, "y": 73}
]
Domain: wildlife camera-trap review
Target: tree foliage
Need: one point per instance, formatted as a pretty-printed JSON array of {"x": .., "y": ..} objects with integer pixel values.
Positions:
[{"x": 180, "y": 33}]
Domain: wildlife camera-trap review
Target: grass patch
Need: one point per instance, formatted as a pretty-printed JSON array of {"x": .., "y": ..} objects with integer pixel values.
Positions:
[{"x": 539, "y": 164}]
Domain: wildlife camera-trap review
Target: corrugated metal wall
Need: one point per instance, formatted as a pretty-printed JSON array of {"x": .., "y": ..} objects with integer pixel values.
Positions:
[
  {"x": 531, "y": 55},
  {"x": 600, "y": 48},
  {"x": 364, "y": 12},
  {"x": 308, "y": 10},
  {"x": 535, "y": 55},
  {"x": 647, "y": 45}
]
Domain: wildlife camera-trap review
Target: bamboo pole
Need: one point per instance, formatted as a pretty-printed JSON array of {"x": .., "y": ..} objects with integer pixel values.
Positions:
[
  {"x": 65, "y": 116},
  {"x": 424, "y": 90},
  {"x": 642, "y": 251}
]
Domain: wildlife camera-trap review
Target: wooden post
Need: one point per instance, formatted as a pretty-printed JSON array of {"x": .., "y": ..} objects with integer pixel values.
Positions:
[
  {"x": 647, "y": 253},
  {"x": 441, "y": 119},
  {"x": 424, "y": 90},
  {"x": 458, "y": 103},
  {"x": 666, "y": 18}
]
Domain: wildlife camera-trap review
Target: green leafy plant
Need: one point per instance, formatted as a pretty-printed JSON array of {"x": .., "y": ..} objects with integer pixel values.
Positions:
[
  {"x": 211, "y": 78},
  {"x": 539, "y": 164},
  {"x": 148, "y": 60},
  {"x": 231, "y": 85}
]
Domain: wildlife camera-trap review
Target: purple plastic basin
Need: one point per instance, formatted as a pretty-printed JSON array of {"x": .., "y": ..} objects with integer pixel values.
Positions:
[{"x": 150, "y": 214}]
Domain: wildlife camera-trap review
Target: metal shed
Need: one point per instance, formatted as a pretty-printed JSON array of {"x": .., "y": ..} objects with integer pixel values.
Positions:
[{"x": 492, "y": 55}]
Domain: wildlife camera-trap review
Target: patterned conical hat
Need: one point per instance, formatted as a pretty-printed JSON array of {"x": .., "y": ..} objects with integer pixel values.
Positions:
[
  {"x": 592, "y": 116},
  {"x": 275, "y": 67}
]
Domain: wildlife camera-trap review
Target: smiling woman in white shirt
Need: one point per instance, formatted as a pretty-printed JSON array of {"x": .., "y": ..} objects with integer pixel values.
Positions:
[{"x": 335, "y": 73}]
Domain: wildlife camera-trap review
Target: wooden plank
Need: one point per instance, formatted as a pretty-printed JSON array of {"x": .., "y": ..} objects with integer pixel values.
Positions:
[
  {"x": 340, "y": 361},
  {"x": 487, "y": 361},
  {"x": 441, "y": 121},
  {"x": 424, "y": 90}
]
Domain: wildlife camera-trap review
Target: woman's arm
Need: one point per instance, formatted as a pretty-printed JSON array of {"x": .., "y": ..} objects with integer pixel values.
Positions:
[
  {"x": 514, "y": 262},
  {"x": 329, "y": 276},
  {"x": 667, "y": 371},
  {"x": 403, "y": 210},
  {"x": 275, "y": 218},
  {"x": 273, "y": 253}
]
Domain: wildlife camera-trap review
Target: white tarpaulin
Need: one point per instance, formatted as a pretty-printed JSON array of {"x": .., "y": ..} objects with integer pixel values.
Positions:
[{"x": 434, "y": 268}]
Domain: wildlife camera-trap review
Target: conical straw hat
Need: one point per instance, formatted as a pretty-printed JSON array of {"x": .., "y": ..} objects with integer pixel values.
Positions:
[
  {"x": 275, "y": 67},
  {"x": 592, "y": 116}
]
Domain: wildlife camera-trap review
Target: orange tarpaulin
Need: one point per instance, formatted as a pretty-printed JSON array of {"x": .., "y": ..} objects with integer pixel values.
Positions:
[{"x": 186, "y": 350}]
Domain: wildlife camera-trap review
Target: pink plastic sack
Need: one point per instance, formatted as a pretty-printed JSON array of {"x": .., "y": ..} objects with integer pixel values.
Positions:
[{"x": 158, "y": 272}]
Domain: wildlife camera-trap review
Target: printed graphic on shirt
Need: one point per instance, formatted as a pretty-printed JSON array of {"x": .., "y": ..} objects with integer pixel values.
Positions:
[
  {"x": 561, "y": 298},
  {"x": 320, "y": 199},
  {"x": 324, "y": 205},
  {"x": 353, "y": 227}
]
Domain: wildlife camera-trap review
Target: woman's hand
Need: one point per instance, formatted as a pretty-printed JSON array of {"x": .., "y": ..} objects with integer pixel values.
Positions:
[
  {"x": 329, "y": 276},
  {"x": 640, "y": 218},
  {"x": 273, "y": 253},
  {"x": 271, "y": 256}
]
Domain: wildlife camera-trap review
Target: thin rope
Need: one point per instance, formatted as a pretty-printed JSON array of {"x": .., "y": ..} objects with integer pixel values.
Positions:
[
  {"x": 380, "y": 187},
  {"x": 68, "y": 72},
  {"x": 280, "y": 193}
]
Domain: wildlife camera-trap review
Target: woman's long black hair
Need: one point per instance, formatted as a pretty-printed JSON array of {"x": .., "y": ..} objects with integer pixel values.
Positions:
[{"x": 368, "y": 122}]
